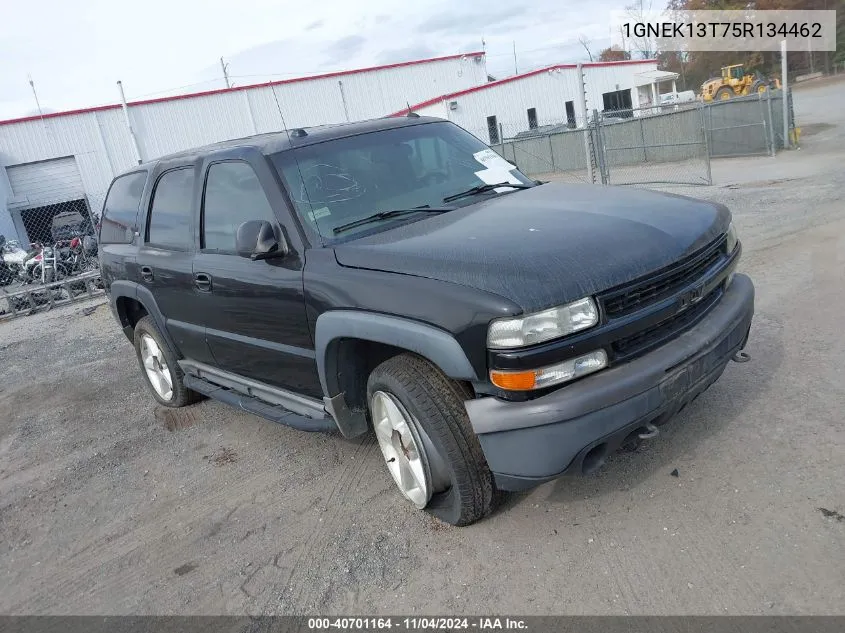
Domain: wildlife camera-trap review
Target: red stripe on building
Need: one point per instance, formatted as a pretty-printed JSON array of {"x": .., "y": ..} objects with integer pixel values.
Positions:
[
  {"x": 493, "y": 84},
  {"x": 192, "y": 95}
]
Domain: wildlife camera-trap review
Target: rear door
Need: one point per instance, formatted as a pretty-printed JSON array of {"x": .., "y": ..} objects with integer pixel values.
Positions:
[
  {"x": 165, "y": 259},
  {"x": 254, "y": 311}
]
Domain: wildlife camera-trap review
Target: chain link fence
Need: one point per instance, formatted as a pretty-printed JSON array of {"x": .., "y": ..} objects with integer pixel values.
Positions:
[
  {"x": 55, "y": 262},
  {"x": 635, "y": 146},
  {"x": 666, "y": 144},
  {"x": 561, "y": 148},
  {"x": 747, "y": 126},
  {"x": 659, "y": 145}
]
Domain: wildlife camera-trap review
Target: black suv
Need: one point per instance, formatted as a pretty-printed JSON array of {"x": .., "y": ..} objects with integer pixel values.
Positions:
[{"x": 495, "y": 332}]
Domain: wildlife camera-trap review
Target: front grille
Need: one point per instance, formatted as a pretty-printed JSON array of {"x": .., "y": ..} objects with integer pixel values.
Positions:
[
  {"x": 653, "y": 288},
  {"x": 644, "y": 340}
]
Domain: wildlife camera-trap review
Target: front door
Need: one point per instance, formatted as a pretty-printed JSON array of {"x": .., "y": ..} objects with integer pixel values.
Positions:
[{"x": 254, "y": 311}]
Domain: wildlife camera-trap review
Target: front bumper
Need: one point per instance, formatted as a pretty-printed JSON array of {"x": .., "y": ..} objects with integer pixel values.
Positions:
[{"x": 573, "y": 429}]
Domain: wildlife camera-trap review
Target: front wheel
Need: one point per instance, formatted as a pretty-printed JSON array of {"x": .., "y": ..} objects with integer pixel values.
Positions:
[
  {"x": 428, "y": 445},
  {"x": 724, "y": 93}
]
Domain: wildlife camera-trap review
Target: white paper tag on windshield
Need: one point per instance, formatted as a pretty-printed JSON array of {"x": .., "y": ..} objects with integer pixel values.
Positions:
[
  {"x": 497, "y": 169},
  {"x": 322, "y": 212}
]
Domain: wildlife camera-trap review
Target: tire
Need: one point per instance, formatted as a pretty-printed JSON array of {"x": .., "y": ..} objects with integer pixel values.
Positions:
[
  {"x": 37, "y": 274},
  {"x": 461, "y": 485},
  {"x": 179, "y": 395},
  {"x": 724, "y": 93},
  {"x": 758, "y": 87}
]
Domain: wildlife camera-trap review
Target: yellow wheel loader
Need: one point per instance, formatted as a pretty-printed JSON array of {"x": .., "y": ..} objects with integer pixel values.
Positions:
[{"x": 736, "y": 82}]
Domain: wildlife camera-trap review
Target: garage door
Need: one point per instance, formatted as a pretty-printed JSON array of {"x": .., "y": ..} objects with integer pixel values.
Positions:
[{"x": 45, "y": 182}]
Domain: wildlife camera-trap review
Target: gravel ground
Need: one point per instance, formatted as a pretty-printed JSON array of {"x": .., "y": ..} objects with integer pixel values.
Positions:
[{"x": 110, "y": 505}]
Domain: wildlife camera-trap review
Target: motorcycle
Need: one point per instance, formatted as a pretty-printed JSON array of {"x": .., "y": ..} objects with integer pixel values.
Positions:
[
  {"x": 13, "y": 261},
  {"x": 46, "y": 266},
  {"x": 79, "y": 255}
]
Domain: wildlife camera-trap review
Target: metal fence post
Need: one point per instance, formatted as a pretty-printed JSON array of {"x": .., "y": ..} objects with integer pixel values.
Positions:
[
  {"x": 771, "y": 123},
  {"x": 784, "y": 87},
  {"x": 708, "y": 125},
  {"x": 704, "y": 139},
  {"x": 551, "y": 153},
  {"x": 642, "y": 136},
  {"x": 765, "y": 126},
  {"x": 600, "y": 151}
]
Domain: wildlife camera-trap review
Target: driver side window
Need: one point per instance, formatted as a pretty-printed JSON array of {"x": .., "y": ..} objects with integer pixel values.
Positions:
[{"x": 233, "y": 195}]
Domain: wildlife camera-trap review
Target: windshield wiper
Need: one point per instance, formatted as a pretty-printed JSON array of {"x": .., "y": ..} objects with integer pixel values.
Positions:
[
  {"x": 483, "y": 188},
  {"x": 386, "y": 215}
]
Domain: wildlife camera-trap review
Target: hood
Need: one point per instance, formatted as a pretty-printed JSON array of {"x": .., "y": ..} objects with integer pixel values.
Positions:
[{"x": 546, "y": 245}]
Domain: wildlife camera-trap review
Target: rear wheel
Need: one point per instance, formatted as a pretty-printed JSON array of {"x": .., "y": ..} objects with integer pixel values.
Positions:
[
  {"x": 427, "y": 442},
  {"x": 159, "y": 366},
  {"x": 724, "y": 93}
]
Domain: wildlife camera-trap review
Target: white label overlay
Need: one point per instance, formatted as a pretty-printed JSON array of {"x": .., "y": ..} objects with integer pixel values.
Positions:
[{"x": 654, "y": 31}]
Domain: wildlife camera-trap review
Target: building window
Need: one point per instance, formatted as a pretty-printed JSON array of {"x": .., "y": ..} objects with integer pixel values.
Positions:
[
  {"x": 532, "y": 118},
  {"x": 493, "y": 130},
  {"x": 570, "y": 114},
  {"x": 616, "y": 101}
]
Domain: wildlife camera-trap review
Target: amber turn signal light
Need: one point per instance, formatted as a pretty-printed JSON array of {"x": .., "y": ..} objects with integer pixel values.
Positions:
[{"x": 514, "y": 380}]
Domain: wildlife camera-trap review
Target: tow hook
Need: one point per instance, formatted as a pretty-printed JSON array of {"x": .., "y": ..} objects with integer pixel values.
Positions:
[
  {"x": 650, "y": 432},
  {"x": 741, "y": 357}
]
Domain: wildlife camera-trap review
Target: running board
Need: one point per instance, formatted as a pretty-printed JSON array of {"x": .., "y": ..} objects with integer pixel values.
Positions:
[{"x": 276, "y": 405}]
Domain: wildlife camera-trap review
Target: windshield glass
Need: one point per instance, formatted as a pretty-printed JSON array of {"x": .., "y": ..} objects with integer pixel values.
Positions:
[{"x": 340, "y": 181}]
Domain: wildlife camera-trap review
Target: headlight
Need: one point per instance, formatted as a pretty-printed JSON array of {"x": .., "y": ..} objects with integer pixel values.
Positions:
[
  {"x": 542, "y": 326},
  {"x": 732, "y": 239},
  {"x": 526, "y": 380}
]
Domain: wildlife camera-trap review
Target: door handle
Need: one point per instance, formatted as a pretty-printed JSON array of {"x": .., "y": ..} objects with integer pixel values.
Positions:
[
  {"x": 146, "y": 273},
  {"x": 203, "y": 282}
]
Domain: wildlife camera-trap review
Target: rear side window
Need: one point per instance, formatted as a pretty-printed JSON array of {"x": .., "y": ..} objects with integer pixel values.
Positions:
[
  {"x": 121, "y": 209},
  {"x": 233, "y": 195},
  {"x": 169, "y": 225}
]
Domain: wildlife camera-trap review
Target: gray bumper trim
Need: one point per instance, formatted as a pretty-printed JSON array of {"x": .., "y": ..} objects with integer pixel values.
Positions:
[{"x": 612, "y": 386}]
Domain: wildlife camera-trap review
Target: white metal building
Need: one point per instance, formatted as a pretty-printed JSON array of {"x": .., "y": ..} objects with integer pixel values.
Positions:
[
  {"x": 548, "y": 96},
  {"x": 70, "y": 158}
]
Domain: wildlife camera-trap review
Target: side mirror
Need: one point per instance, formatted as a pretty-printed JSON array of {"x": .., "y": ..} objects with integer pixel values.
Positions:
[{"x": 256, "y": 240}]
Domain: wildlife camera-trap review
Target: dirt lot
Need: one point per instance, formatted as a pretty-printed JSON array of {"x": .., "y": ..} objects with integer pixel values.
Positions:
[{"x": 106, "y": 507}]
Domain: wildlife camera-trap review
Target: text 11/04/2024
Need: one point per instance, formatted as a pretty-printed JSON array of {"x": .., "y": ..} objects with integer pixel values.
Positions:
[
  {"x": 421, "y": 623},
  {"x": 725, "y": 30}
]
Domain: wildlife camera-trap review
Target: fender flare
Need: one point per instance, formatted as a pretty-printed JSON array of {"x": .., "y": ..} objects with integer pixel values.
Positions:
[
  {"x": 430, "y": 342},
  {"x": 133, "y": 290}
]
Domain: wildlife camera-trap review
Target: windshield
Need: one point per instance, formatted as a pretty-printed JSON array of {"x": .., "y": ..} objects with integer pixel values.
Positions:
[{"x": 340, "y": 181}]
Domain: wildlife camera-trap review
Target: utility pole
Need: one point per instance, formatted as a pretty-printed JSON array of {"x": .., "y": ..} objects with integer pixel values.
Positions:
[
  {"x": 515, "y": 69},
  {"x": 225, "y": 68},
  {"x": 582, "y": 98},
  {"x": 134, "y": 138},
  {"x": 35, "y": 94}
]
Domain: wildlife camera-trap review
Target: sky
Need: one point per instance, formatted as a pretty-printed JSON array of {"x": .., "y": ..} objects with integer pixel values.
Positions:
[{"x": 76, "y": 51}]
